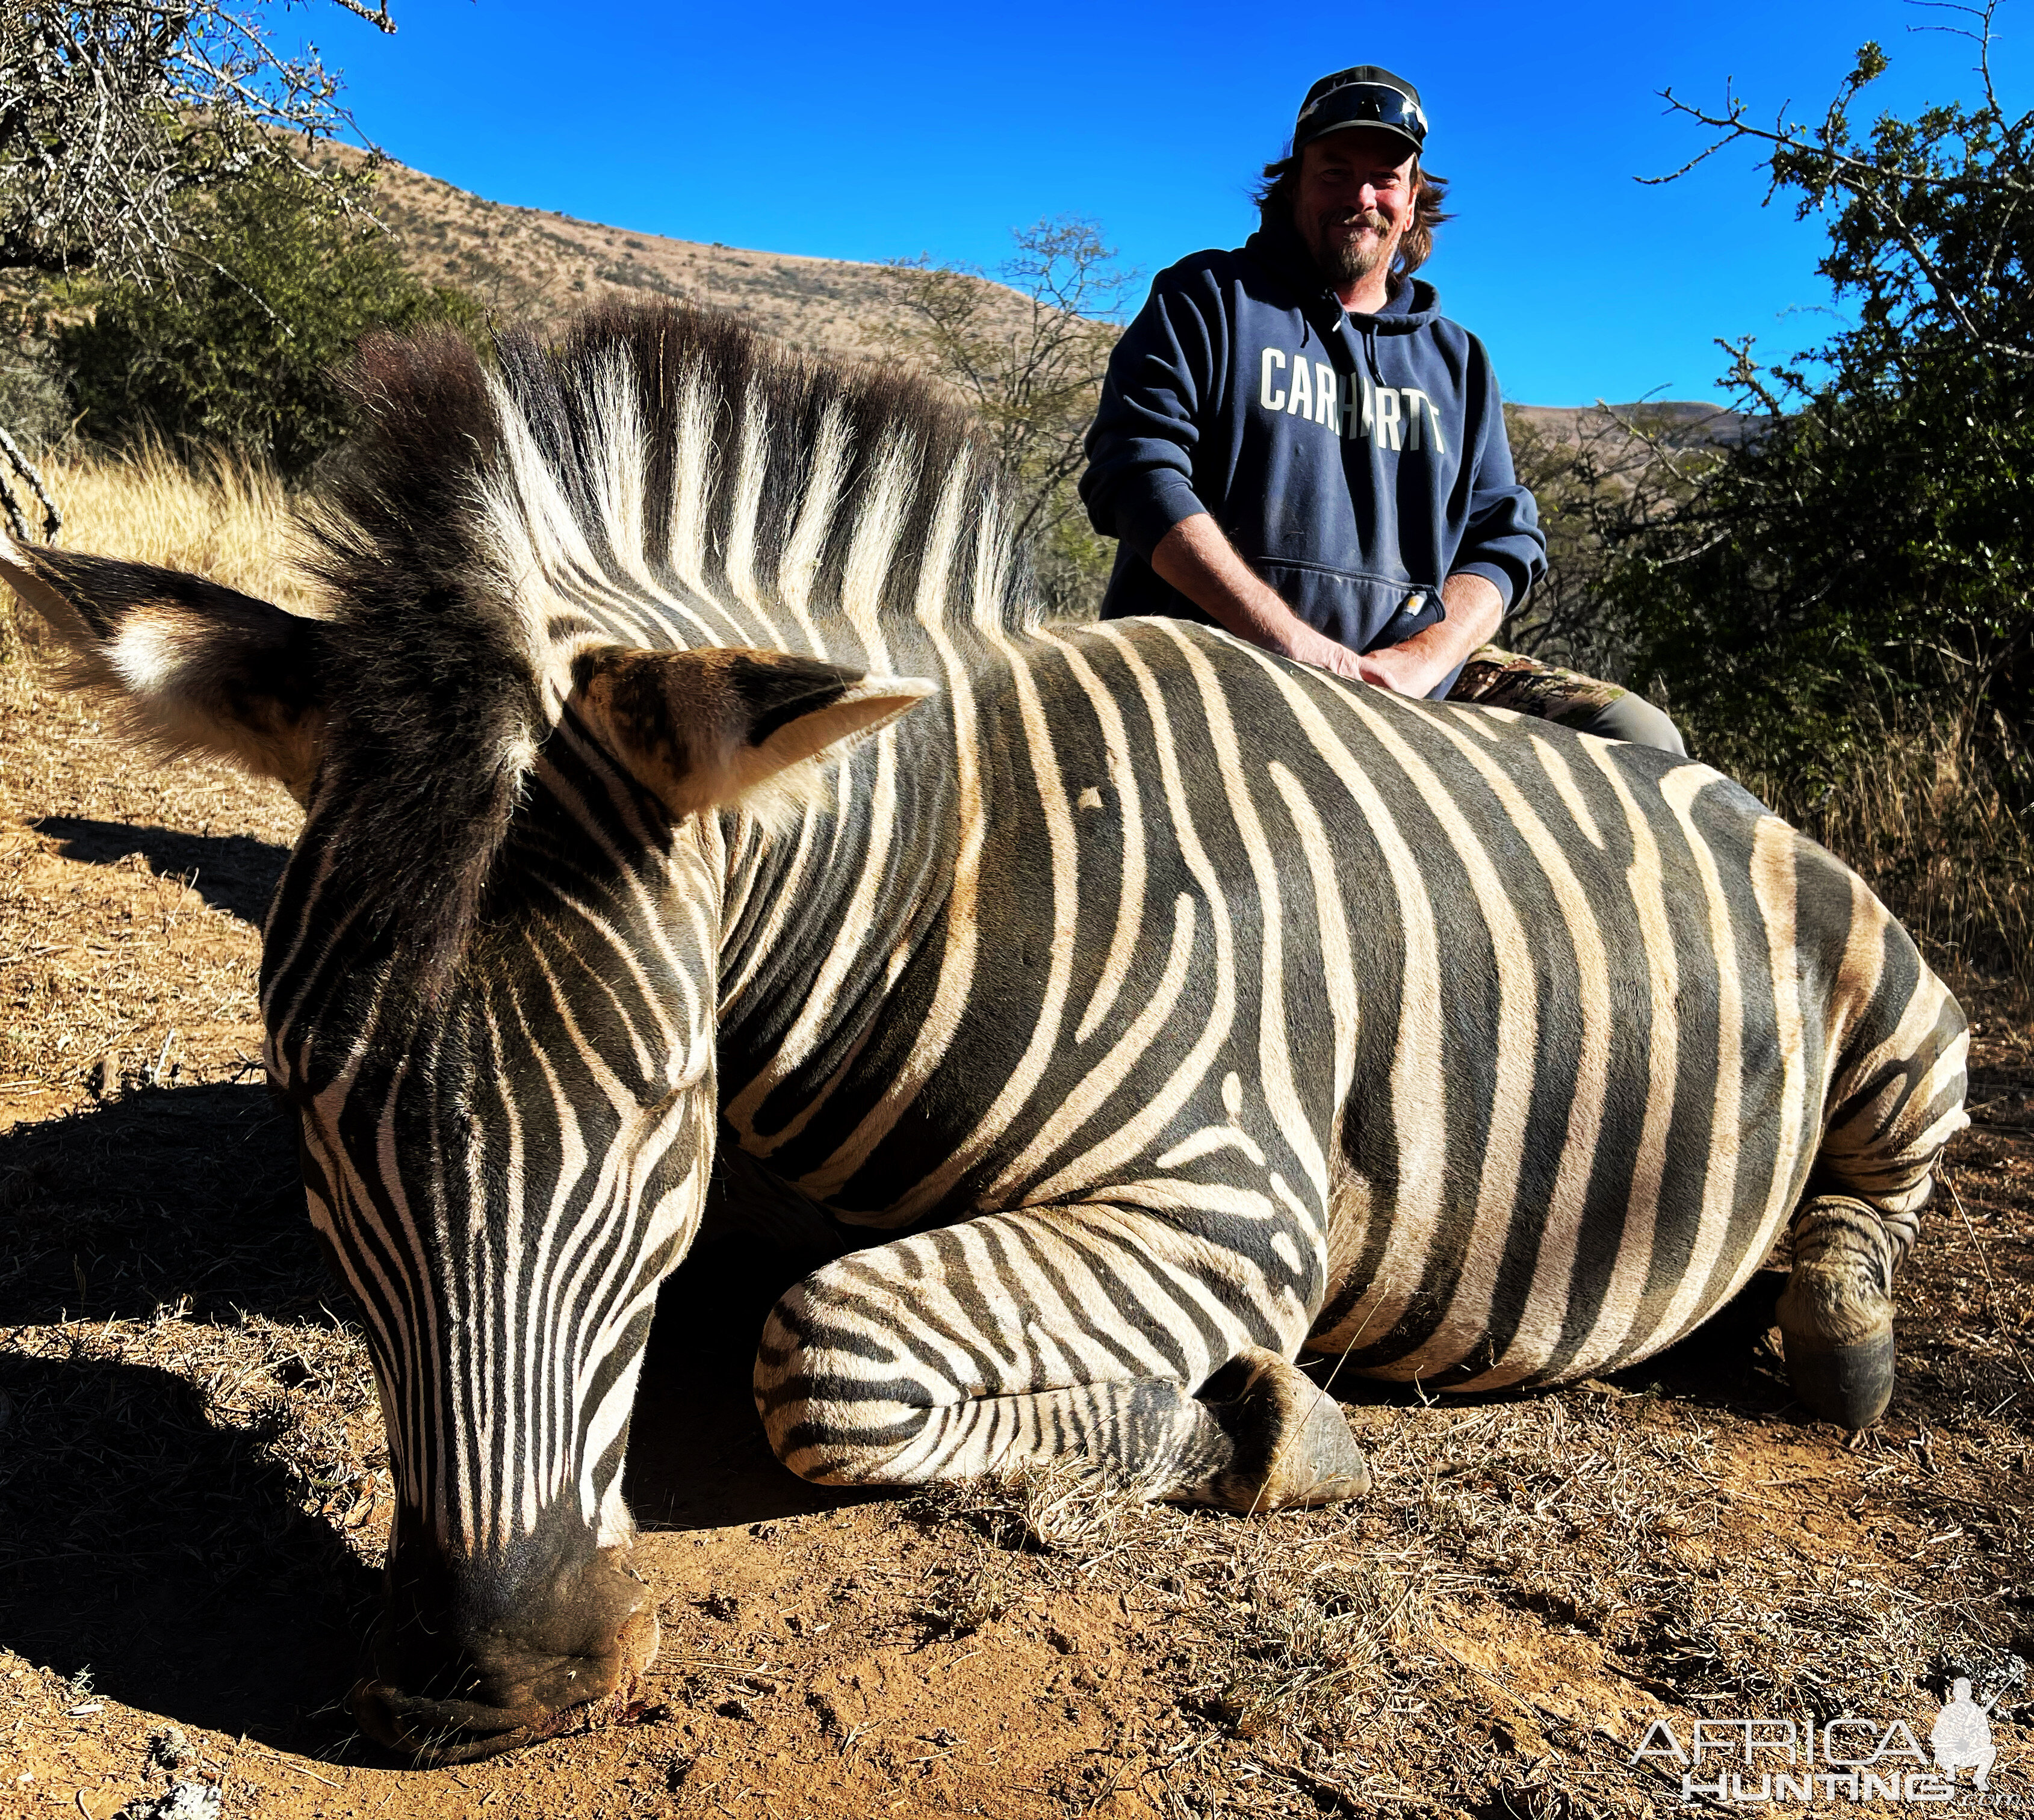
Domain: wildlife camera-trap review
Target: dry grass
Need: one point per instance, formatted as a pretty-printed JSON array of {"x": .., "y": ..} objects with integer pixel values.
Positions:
[
  {"x": 289, "y": 1406},
  {"x": 222, "y": 514},
  {"x": 149, "y": 974},
  {"x": 1921, "y": 818},
  {"x": 1527, "y": 1577}
]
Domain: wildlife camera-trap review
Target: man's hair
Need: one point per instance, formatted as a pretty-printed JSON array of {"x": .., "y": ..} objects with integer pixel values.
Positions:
[{"x": 1281, "y": 189}]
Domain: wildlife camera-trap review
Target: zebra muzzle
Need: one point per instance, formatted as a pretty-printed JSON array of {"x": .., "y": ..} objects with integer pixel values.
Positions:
[{"x": 434, "y": 1732}]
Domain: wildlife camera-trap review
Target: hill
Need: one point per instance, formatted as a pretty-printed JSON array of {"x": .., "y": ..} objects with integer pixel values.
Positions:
[
  {"x": 537, "y": 266},
  {"x": 540, "y": 266},
  {"x": 1680, "y": 425}
]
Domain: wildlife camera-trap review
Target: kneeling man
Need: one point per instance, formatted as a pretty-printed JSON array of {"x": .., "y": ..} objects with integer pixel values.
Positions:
[{"x": 1295, "y": 444}]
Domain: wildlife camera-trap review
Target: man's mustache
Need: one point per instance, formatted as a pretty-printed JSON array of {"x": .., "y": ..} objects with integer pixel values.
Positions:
[{"x": 1334, "y": 219}]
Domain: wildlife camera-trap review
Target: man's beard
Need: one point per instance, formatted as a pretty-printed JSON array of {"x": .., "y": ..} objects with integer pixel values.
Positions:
[{"x": 1344, "y": 261}]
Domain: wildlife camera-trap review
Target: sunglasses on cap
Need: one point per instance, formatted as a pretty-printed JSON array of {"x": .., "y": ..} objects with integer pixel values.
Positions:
[{"x": 1361, "y": 103}]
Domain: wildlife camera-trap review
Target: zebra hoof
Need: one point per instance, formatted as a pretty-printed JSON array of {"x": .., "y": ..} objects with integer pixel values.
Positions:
[
  {"x": 1849, "y": 1385},
  {"x": 1292, "y": 1446},
  {"x": 1326, "y": 1467}
]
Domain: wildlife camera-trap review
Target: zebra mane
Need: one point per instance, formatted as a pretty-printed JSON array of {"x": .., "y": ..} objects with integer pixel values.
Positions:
[{"x": 661, "y": 477}]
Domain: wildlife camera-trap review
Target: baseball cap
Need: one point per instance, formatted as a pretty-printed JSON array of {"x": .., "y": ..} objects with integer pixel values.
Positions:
[{"x": 1362, "y": 95}]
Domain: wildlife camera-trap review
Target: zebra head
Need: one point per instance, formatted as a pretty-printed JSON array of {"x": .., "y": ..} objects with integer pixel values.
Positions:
[{"x": 490, "y": 981}]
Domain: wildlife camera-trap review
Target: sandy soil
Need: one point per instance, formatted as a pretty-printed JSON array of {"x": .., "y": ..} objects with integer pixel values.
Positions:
[{"x": 193, "y": 1488}]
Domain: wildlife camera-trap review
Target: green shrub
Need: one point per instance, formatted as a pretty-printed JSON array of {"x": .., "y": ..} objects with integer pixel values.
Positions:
[
  {"x": 244, "y": 351},
  {"x": 1860, "y": 555}
]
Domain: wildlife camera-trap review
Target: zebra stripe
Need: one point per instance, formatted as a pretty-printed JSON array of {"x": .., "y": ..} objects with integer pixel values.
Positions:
[{"x": 1152, "y": 1007}]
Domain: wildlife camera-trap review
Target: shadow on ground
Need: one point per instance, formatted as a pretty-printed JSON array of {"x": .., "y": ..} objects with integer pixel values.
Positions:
[
  {"x": 138, "y": 1540},
  {"x": 697, "y": 1456},
  {"x": 1724, "y": 1365},
  {"x": 162, "y": 1553},
  {"x": 1726, "y": 1362},
  {"x": 234, "y": 873},
  {"x": 111, "y": 1211}
]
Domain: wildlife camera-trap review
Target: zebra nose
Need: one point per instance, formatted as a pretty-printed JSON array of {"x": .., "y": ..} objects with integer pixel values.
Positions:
[{"x": 503, "y": 1663}]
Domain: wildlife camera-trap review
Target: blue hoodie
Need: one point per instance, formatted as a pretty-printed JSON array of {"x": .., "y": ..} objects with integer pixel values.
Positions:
[{"x": 1356, "y": 462}]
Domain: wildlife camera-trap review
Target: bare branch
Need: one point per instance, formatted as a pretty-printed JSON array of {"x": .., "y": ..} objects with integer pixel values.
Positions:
[
  {"x": 1781, "y": 136},
  {"x": 1026, "y": 356},
  {"x": 15, "y": 523},
  {"x": 112, "y": 113},
  {"x": 52, "y": 519},
  {"x": 378, "y": 17},
  {"x": 1922, "y": 189}
]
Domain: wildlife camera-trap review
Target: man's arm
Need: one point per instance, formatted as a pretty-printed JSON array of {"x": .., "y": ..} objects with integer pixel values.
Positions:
[
  {"x": 1475, "y": 609},
  {"x": 1203, "y": 564},
  {"x": 1197, "y": 560},
  {"x": 1502, "y": 541}
]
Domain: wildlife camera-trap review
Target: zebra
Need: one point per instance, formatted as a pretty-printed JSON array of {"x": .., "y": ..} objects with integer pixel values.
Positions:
[{"x": 689, "y": 771}]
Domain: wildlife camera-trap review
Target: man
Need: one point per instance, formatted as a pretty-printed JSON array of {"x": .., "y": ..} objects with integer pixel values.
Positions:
[{"x": 1294, "y": 444}]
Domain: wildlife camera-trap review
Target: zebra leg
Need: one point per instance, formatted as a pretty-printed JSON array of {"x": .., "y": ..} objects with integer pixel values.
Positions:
[
  {"x": 1836, "y": 1313},
  {"x": 954, "y": 1355},
  {"x": 1895, "y": 1100}
]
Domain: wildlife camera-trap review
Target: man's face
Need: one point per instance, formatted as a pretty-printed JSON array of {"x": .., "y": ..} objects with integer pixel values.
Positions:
[{"x": 1355, "y": 201}]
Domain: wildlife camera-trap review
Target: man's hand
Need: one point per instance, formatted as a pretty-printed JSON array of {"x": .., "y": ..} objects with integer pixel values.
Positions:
[
  {"x": 1475, "y": 609},
  {"x": 1195, "y": 557},
  {"x": 1203, "y": 564}
]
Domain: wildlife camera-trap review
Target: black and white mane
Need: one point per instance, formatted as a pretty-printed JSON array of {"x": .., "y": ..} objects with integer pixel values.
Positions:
[{"x": 661, "y": 478}]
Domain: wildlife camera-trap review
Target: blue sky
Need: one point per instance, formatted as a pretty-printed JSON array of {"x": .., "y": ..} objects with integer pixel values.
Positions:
[{"x": 876, "y": 131}]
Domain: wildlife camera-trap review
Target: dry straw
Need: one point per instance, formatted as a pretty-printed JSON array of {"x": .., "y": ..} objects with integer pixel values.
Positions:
[
  {"x": 222, "y": 514},
  {"x": 1918, "y": 812}
]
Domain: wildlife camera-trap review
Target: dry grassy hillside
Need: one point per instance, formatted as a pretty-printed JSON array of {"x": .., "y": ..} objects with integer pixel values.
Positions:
[
  {"x": 524, "y": 263},
  {"x": 528, "y": 263}
]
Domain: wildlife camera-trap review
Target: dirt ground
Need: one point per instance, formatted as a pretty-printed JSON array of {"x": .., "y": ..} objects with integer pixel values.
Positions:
[{"x": 193, "y": 1491}]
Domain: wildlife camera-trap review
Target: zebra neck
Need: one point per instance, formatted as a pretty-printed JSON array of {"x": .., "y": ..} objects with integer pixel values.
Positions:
[{"x": 822, "y": 913}]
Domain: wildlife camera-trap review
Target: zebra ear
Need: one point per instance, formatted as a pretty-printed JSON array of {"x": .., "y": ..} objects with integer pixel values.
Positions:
[
  {"x": 184, "y": 664},
  {"x": 700, "y": 728}
]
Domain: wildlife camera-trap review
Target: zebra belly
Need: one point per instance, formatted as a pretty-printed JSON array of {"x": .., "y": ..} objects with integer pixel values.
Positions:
[{"x": 1550, "y": 1315}]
